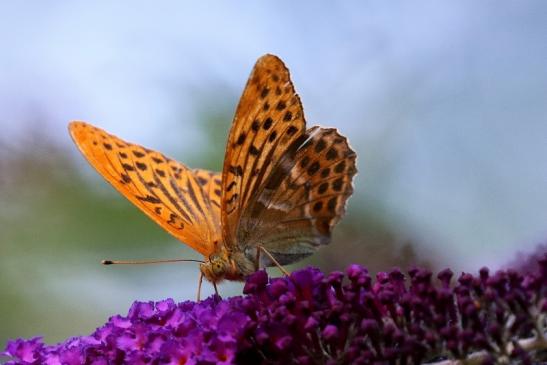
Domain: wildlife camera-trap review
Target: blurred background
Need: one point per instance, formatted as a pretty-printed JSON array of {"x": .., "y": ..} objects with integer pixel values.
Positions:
[{"x": 444, "y": 103}]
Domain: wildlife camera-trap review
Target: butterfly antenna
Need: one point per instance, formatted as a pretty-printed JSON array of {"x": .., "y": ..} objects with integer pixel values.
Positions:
[{"x": 145, "y": 262}]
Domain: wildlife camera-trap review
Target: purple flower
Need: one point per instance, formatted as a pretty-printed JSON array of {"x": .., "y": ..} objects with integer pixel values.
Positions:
[
  {"x": 311, "y": 318},
  {"x": 164, "y": 332},
  {"x": 27, "y": 351}
]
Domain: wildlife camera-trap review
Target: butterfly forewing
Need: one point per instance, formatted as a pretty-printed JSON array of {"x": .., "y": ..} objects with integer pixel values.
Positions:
[
  {"x": 182, "y": 201},
  {"x": 211, "y": 184},
  {"x": 303, "y": 198},
  {"x": 269, "y": 118}
]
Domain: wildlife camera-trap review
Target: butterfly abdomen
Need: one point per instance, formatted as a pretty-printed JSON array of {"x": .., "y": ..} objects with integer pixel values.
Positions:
[{"x": 243, "y": 265}]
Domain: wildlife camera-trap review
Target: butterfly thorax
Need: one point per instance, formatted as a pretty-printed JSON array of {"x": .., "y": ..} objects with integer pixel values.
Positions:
[{"x": 225, "y": 265}]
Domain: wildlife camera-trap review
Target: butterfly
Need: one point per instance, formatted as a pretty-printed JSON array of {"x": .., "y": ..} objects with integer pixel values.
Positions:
[{"x": 282, "y": 189}]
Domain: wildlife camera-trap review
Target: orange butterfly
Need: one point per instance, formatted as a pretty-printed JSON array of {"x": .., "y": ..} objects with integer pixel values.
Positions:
[{"x": 282, "y": 189}]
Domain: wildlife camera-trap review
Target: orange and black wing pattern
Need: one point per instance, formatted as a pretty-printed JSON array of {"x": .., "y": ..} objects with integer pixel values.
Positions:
[
  {"x": 285, "y": 186},
  {"x": 185, "y": 202},
  {"x": 268, "y": 120}
]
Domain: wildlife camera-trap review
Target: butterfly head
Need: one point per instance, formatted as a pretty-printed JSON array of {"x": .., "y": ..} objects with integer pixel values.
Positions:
[{"x": 216, "y": 268}]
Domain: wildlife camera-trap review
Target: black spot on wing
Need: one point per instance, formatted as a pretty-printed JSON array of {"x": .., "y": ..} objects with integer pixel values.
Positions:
[
  {"x": 288, "y": 116},
  {"x": 231, "y": 186},
  {"x": 314, "y": 167},
  {"x": 235, "y": 170},
  {"x": 232, "y": 198},
  {"x": 254, "y": 151},
  {"x": 323, "y": 188},
  {"x": 125, "y": 179},
  {"x": 337, "y": 184},
  {"x": 292, "y": 130},
  {"x": 340, "y": 167},
  {"x": 331, "y": 154},
  {"x": 149, "y": 199},
  {"x": 255, "y": 125},
  {"x": 267, "y": 123},
  {"x": 141, "y": 166},
  {"x": 320, "y": 145},
  {"x": 317, "y": 206},
  {"x": 331, "y": 205}
]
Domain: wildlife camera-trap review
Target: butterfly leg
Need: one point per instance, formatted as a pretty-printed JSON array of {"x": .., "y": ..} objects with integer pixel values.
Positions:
[
  {"x": 216, "y": 289},
  {"x": 200, "y": 281},
  {"x": 257, "y": 263},
  {"x": 281, "y": 268}
]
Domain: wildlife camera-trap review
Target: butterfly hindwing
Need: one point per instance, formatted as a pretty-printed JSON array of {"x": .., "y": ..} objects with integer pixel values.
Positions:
[
  {"x": 180, "y": 200},
  {"x": 304, "y": 197}
]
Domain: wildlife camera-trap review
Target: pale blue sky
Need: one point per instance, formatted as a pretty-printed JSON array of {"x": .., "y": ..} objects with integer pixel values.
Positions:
[{"x": 445, "y": 102}]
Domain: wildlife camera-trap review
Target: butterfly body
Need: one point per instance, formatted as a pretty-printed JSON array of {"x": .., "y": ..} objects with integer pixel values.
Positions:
[{"x": 282, "y": 189}]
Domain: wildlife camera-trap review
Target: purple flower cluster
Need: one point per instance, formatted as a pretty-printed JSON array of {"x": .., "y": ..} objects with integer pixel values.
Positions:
[
  {"x": 313, "y": 318},
  {"x": 208, "y": 332}
]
